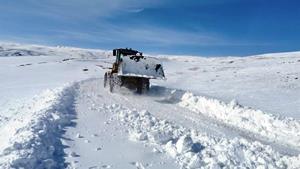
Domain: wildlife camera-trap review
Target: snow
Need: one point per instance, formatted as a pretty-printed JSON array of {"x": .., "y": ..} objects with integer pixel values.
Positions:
[
  {"x": 192, "y": 149},
  {"x": 103, "y": 141},
  {"x": 282, "y": 129},
  {"x": 229, "y": 112},
  {"x": 31, "y": 139},
  {"x": 145, "y": 67},
  {"x": 267, "y": 82},
  {"x": 55, "y": 68}
]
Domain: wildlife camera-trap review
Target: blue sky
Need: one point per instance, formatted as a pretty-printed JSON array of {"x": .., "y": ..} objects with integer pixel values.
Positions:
[{"x": 191, "y": 27}]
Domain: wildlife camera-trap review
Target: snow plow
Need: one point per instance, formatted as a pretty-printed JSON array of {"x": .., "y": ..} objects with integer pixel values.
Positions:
[{"x": 133, "y": 70}]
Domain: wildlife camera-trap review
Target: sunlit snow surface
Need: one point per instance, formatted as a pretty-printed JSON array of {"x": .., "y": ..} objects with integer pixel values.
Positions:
[{"x": 208, "y": 113}]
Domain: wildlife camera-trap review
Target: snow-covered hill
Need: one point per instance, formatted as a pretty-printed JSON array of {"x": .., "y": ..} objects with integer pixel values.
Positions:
[{"x": 210, "y": 112}]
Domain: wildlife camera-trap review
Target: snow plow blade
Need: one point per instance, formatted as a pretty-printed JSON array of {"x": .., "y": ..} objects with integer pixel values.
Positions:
[{"x": 147, "y": 67}]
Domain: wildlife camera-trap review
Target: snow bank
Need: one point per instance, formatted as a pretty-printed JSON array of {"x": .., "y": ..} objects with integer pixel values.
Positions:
[
  {"x": 193, "y": 149},
  {"x": 32, "y": 138},
  {"x": 280, "y": 129}
]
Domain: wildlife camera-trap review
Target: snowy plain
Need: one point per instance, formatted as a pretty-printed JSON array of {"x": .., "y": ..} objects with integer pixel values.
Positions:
[{"x": 227, "y": 112}]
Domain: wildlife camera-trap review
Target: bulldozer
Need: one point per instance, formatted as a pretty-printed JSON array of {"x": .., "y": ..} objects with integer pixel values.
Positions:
[{"x": 133, "y": 70}]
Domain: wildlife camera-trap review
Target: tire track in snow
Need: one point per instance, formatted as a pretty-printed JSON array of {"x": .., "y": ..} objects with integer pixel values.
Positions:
[{"x": 99, "y": 141}]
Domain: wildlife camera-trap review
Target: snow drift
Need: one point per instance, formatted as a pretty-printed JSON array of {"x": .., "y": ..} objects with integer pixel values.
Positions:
[{"x": 280, "y": 129}]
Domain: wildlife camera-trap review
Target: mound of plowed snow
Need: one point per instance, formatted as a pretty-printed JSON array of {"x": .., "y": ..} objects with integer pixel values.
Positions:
[
  {"x": 31, "y": 139},
  {"x": 281, "y": 129},
  {"x": 193, "y": 149}
]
